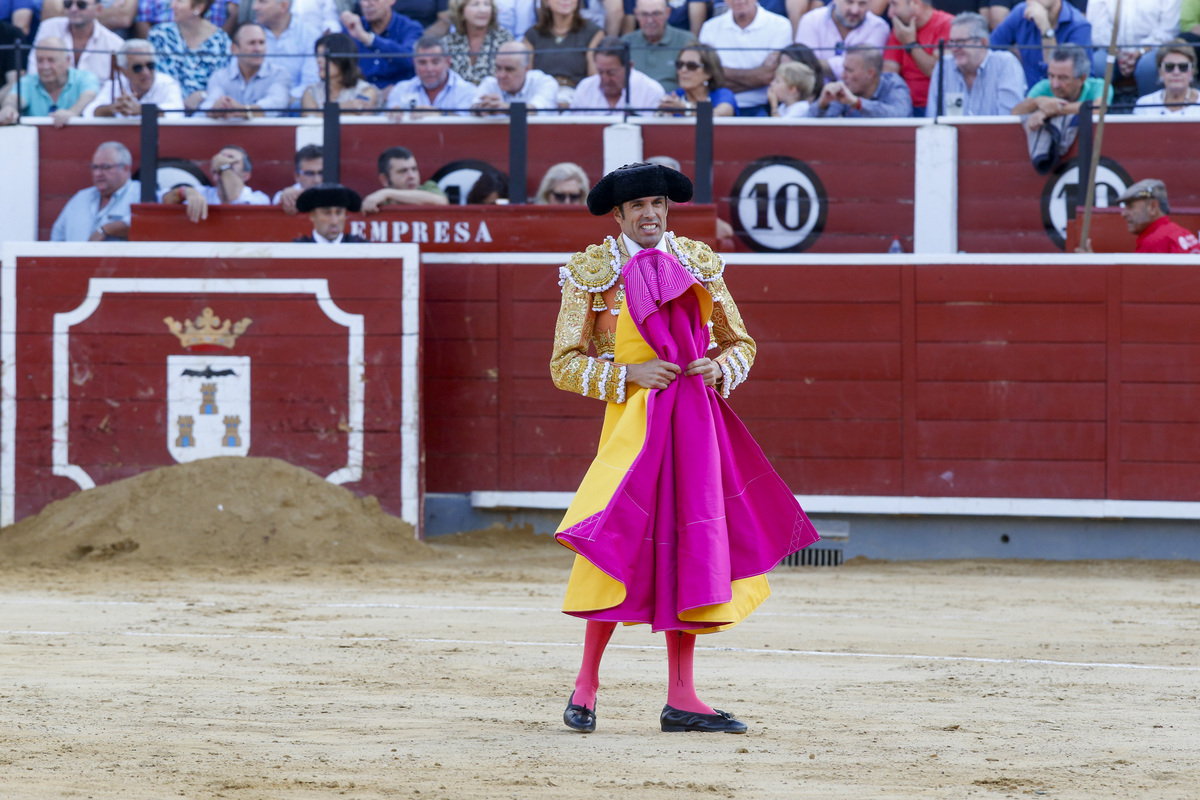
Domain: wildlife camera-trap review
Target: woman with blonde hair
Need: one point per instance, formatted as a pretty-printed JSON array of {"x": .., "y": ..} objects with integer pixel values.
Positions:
[
  {"x": 564, "y": 183},
  {"x": 476, "y": 39}
]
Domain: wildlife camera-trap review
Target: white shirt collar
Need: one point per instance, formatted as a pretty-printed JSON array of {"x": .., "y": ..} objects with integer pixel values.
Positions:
[
  {"x": 319, "y": 239},
  {"x": 633, "y": 248}
]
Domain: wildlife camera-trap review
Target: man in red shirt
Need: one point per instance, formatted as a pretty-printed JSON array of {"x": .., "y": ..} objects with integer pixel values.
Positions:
[
  {"x": 911, "y": 50},
  {"x": 1144, "y": 207}
]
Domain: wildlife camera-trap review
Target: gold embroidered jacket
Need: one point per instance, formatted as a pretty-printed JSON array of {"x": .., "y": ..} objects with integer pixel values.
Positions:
[{"x": 589, "y": 289}]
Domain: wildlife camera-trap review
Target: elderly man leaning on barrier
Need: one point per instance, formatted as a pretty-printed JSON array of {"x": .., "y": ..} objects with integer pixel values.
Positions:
[
  {"x": 57, "y": 90},
  {"x": 865, "y": 90},
  {"x": 976, "y": 80},
  {"x": 515, "y": 82},
  {"x": 231, "y": 171},
  {"x": 1144, "y": 207},
  {"x": 136, "y": 82},
  {"x": 1050, "y": 113},
  {"x": 607, "y": 88},
  {"x": 436, "y": 89},
  {"x": 248, "y": 86},
  {"x": 101, "y": 211},
  {"x": 91, "y": 45}
]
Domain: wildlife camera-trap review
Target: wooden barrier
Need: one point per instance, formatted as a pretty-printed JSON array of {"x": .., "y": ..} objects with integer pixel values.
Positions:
[
  {"x": 856, "y": 178},
  {"x": 110, "y": 370},
  {"x": 1071, "y": 378},
  {"x": 490, "y": 228}
]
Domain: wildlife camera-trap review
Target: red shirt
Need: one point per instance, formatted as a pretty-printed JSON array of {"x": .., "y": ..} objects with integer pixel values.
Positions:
[
  {"x": 1164, "y": 236},
  {"x": 937, "y": 29}
]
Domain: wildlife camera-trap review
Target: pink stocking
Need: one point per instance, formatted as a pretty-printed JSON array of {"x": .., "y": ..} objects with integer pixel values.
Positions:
[
  {"x": 594, "y": 642},
  {"x": 681, "y": 690}
]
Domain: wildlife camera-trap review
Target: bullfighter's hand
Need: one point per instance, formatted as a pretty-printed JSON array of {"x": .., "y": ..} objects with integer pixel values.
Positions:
[
  {"x": 653, "y": 374},
  {"x": 710, "y": 369}
]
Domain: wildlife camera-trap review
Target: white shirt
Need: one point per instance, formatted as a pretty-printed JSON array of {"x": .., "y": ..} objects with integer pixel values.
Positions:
[
  {"x": 248, "y": 197},
  {"x": 456, "y": 96},
  {"x": 319, "y": 239},
  {"x": 539, "y": 90},
  {"x": 320, "y": 15},
  {"x": 1151, "y": 105},
  {"x": 643, "y": 92},
  {"x": 293, "y": 50},
  {"x": 165, "y": 93},
  {"x": 1143, "y": 22},
  {"x": 97, "y": 54},
  {"x": 517, "y": 16},
  {"x": 793, "y": 110},
  {"x": 766, "y": 33},
  {"x": 633, "y": 248}
]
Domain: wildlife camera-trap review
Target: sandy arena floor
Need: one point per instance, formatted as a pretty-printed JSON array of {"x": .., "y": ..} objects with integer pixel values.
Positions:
[{"x": 446, "y": 678}]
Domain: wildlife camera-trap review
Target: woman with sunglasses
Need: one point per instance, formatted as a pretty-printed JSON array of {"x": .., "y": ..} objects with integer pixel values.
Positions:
[
  {"x": 346, "y": 83},
  {"x": 190, "y": 49},
  {"x": 136, "y": 82},
  {"x": 1176, "y": 69},
  {"x": 563, "y": 184},
  {"x": 701, "y": 78}
]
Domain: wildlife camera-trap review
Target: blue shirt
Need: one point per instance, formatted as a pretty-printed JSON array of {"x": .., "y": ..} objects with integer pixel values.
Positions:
[
  {"x": 1073, "y": 28},
  {"x": 268, "y": 88},
  {"x": 999, "y": 86},
  {"x": 891, "y": 99},
  {"x": 36, "y": 101},
  {"x": 400, "y": 37},
  {"x": 454, "y": 98},
  {"x": 81, "y": 216},
  {"x": 293, "y": 51}
]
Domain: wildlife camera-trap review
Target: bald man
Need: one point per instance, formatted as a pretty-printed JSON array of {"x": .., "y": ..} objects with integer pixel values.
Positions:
[{"x": 58, "y": 90}]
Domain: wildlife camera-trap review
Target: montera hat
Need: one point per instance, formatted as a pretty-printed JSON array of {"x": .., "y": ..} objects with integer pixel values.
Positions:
[
  {"x": 638, "y": 180},
  {"x": 1146, "y": 188},
  {"x": 327, "y": 195}
]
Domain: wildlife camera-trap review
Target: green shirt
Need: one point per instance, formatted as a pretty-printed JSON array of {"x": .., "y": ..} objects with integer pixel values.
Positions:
[
  {"x": 36, "y": 101},
  {"x": 1092, "y": 88},
  {"x": 431, "y": 186},
  {"x": 658, "y": 60},
  {"x": 1189, "y": 17}
]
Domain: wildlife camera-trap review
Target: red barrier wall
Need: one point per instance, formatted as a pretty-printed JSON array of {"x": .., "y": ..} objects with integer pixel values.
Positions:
[
  {"x": 866, "y": 171},
  {"x": 979, "y": 380},
  {"x": 327, "y": 350}
]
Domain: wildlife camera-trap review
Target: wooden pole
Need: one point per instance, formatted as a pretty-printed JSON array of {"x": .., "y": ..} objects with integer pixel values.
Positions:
[{"x": 1110, "y": 64}]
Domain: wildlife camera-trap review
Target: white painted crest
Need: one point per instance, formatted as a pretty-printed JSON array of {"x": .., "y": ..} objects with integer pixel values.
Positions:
[{"x": 208, "y": 406}]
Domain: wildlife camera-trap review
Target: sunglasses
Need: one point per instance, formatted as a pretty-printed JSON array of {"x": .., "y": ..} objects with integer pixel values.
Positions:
[
  {"x": 1175, "y": 66},
  {"x": 80, "y": 4},
  {"x": 140, "y": 68},
  {"x": 563, "y": 197},
  {"x": 690, "y": 66}
]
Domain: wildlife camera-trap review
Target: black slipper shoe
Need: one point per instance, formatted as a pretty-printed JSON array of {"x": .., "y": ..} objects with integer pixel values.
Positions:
[
  {"x": 673, "y": 719},
  {"x": 579, "y": 718}
]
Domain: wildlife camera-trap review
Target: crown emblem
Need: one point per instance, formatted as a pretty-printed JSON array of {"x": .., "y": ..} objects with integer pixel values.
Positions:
[{"x": 208, "y": 334}]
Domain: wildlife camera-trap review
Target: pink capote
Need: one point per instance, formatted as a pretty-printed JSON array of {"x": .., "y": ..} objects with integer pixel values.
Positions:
[{"x": 701, "y": 506}]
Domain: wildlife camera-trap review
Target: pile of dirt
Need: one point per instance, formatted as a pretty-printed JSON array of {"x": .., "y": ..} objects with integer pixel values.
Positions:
[{"x": 217, "y": 511}]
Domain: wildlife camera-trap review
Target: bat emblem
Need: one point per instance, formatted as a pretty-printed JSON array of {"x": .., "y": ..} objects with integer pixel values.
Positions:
[{"x": 208, "y": 372}]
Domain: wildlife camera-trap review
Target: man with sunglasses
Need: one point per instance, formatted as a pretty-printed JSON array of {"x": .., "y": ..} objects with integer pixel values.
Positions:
[
  {"x": 89, "y": 45},
  {"x": 101, "y": 211},
  {"x": 974, "y": 80},
  {"x": 136, "y": 83}
]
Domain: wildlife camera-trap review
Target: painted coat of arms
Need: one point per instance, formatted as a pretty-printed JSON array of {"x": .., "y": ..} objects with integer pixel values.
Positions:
[{"x": 208, "y": 390}]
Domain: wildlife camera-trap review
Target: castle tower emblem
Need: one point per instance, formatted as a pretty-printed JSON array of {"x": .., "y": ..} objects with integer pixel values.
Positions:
[{"x": 208, "y": 389}]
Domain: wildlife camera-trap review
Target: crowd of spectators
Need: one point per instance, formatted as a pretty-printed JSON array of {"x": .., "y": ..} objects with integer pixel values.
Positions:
[{"x": 777, "y": 58}]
